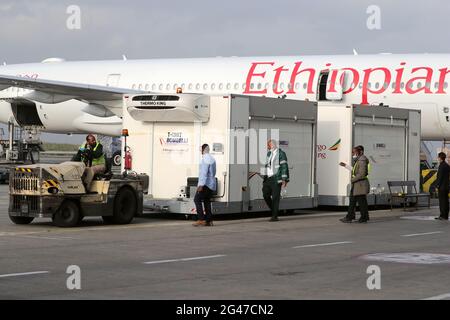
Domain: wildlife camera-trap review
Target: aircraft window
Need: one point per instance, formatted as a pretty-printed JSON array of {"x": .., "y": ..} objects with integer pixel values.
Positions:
[
  {"x": 289, "y": 85},
  {"x": 385, "y": 85},
  {"x": 228, "y": 86},
  {"x": 267, "y": 85},
  {"x": 393, "y": 85},
  {"x": 190, "y": 86},
  {"x": 213, "y": 86},
  {"x": 445, "y": 85},
  {"x": 243, "y": 86},
  {"x": 252, "y": 85},
  {"x": 282, "y": 85},
  {"x": 153, "y": 87},
  {"x": 168, "y": 87},
  {"x": 133, "y": 86},
  {"x": 428, "y": 85},
  {"x": 402, "y": 85},
  {"x": 304, "y": 86},
  {"x": 140, "y": 86},
  {"x": 419, "y": 85},
  {"x": 182, "y": 86},
  {"x": 297, "y": 85},
  {"x": 360, "y": 85},
  {"x": 410, "y": 85},
  {"x": 377, "y": 85},
  {"x": 236, "y": 86},
  {"x": 147, "y": 86},
  {"x": 259, "y": 86},
  {"x": 160, "y": 87},
  {"x": 220, "y": 86},
  {"x": 205, "y": 86},
  {"x": 175, "y": 86},
  {"x": 197, "y": 86},
  {"x": 436, "y": 85}
]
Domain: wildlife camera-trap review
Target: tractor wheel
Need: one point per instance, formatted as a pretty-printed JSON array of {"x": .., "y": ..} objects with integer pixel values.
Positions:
[
  {"x": 125, "y": 206},
  {"x": 108, "y": 219},
  {"x": 68, "y": 215},
  {"x": 21, "y": 220}
]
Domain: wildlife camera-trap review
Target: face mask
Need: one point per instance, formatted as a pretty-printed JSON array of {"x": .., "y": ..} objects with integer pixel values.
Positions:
[{"x": 354, "y": 157}]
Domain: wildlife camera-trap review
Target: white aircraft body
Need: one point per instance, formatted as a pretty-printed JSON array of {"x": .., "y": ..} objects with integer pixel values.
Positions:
[{"x": 86, "y": 96}]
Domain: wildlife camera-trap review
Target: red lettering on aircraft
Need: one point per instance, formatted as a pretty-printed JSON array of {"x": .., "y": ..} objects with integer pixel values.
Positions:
[{"x": 397, "y": 81}]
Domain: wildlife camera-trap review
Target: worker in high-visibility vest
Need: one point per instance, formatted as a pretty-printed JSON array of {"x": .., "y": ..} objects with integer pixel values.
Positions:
[
  {"x": 360, "y": 186},
  {"x": 91, "y": 153}
]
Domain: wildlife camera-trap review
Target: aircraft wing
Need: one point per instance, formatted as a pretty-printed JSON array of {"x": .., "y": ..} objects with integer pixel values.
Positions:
[{"x": 76, "y": 90}]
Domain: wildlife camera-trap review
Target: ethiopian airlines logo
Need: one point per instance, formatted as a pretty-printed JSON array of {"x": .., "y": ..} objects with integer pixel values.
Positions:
[{"x": 335, "y": 146}]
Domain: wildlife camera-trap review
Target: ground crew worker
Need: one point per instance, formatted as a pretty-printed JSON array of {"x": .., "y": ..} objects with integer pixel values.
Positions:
[
  {"x": 360, "y": 186},
  {"x": 205, "y": 188},
  {"x": 277, "y": 177},
  {"x": 442, "y": 181},
  {"x": 91, "y": 154}
]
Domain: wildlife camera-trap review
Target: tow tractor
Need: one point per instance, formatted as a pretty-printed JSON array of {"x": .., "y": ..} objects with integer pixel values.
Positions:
[{"x": 56, "y": 191}]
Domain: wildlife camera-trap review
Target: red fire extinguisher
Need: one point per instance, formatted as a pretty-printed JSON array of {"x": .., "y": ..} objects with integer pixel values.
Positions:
[{"x": 128, "y": 159}]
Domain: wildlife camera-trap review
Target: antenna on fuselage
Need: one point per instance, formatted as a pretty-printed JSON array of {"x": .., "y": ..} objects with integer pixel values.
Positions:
[
  {"x": 355, "y": 53},
  {"x": 124, "y": 57}
]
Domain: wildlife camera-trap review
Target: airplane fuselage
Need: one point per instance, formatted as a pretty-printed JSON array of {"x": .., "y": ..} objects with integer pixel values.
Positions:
[{"x": 405, "y": 81}]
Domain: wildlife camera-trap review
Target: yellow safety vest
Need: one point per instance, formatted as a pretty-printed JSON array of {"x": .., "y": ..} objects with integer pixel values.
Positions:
[
  {"x": 368, "y": 170},
  {"x": 96, "y": 161}
]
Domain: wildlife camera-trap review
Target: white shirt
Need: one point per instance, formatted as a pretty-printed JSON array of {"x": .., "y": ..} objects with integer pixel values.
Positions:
[{"x": 270, "y": 168}]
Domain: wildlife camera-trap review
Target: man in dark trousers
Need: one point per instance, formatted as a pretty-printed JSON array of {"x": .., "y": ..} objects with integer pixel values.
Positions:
[
  {"x": 442, "y": 183},
  {"x": 205, "y": 188},
  {"x": 277, "y": 177},
  {"x": 360, "y": 186}
]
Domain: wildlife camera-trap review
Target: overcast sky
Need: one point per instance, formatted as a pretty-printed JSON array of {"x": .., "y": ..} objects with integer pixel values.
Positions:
[{"x": 31, "y": 31}]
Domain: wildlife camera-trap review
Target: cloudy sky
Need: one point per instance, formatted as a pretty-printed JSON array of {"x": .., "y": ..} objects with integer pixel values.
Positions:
[{"x": 34, "y": 30}]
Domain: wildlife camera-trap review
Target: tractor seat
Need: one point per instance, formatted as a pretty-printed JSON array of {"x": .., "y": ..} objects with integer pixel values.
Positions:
[{"x": 103, "y": 176}]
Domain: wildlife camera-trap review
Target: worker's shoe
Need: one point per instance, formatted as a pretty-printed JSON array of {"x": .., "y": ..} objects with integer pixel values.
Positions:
[
  {"x": 199, "y": 223},
  {"x": 440, "y": 218},
  {"x": 274, "y": 219},
  {"x": 363, "y": 220},
  {"x": 209, "y": 224},
  {"x": 345, "y": 220}
]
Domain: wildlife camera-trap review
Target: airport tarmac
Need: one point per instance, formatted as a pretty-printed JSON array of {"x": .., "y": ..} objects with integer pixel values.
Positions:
[{"x": 305, "y": 256}]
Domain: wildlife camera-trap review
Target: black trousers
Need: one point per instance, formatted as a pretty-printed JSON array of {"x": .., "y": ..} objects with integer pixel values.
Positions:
[
  {"x": 271, "y": 193},
  {"x": 363, "y": 207},
  {"x": 443, "y": 203},
  {"x": 203, "y": 199}
]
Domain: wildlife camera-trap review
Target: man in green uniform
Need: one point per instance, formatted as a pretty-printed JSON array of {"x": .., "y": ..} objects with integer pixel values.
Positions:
[
  {"x": 277, "y": 177},
  {"x": 91, "y": 153}
]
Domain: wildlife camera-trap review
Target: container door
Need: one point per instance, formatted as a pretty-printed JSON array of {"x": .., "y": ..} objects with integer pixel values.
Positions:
[{"x": 385, "y": 142}]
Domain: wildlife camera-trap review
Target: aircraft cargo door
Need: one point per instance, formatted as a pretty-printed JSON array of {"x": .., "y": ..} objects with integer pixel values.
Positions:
[
  {"x": 113, "y": 80},
  {"x": 385, "y": 143}
]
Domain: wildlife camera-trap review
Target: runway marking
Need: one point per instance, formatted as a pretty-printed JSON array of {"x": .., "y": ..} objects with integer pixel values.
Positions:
[
  {"x": 47, "y": 238},
  {"x": 22, "y": 274},
  {"x": 409, "y": 257},
  {"x": 439, "y": 297},
  {"x": 421, "y": 234},
  {"x": 185, "y": 259},
  {"x": 419, "y": 218},
  {"x": 322, "y": 244}
]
